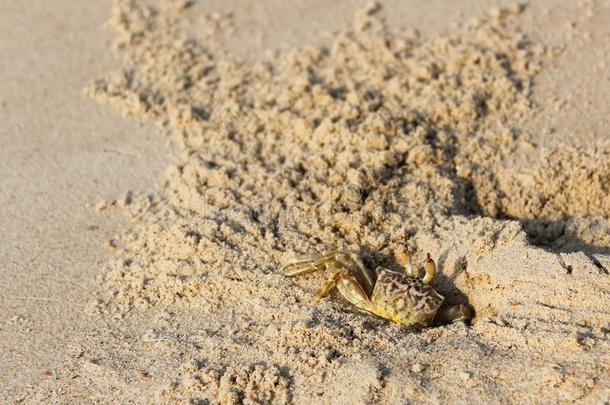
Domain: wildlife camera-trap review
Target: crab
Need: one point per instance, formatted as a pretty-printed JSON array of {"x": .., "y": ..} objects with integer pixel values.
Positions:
[{"x": 400, "y": 297}]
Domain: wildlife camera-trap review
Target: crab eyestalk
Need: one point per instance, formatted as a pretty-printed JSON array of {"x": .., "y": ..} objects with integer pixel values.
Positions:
[
  {"x": 430, "y": 270},
  {"x": 406, "y": 259}
]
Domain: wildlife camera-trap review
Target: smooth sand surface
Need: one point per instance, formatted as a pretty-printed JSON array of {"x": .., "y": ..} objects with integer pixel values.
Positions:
[
  {"x": 60, "y": 153},
  {"x": 99, "y": 307}
]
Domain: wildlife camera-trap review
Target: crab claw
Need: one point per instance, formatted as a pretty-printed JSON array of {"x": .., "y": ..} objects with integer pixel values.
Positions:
[
  {"x": 430, "y": 270},
  {"x": 454, "y": 313}
]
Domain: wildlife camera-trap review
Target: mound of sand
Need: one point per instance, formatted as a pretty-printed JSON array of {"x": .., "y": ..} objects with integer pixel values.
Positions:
[{"x": 381, "y": 138}]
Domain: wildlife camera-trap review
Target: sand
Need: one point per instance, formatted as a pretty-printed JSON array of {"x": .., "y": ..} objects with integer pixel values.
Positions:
[{"x": 370, "y": 138}]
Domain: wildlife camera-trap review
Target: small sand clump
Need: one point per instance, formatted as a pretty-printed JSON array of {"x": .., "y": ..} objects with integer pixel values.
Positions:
[{"x": 379, "y": 139}]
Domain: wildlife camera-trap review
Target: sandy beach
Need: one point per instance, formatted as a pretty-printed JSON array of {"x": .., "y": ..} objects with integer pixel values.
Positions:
[{"x": 161, "y": 161}]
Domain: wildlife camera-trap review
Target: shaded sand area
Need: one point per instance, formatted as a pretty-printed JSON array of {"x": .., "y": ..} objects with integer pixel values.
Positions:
[{"x": 471, "y": 134}]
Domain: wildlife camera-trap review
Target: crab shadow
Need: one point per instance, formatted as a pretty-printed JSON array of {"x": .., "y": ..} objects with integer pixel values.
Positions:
[
  {"x": 557, "y": 236},
  {"x": 553, "y": 235}
]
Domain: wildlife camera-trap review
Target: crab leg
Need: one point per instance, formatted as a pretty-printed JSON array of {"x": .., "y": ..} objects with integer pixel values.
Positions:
[
  {"x": 328, "y": 285},
  {"x": 349, "y": 288},
  {"x": 308, "y": 263}
]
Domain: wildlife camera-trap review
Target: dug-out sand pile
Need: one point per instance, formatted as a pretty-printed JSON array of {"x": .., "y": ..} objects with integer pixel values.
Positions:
[{"x": 381, "y": 138}]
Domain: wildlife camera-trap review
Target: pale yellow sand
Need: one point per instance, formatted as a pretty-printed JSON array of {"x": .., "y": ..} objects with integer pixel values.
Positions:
[{"x": 461, "y": 140}]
